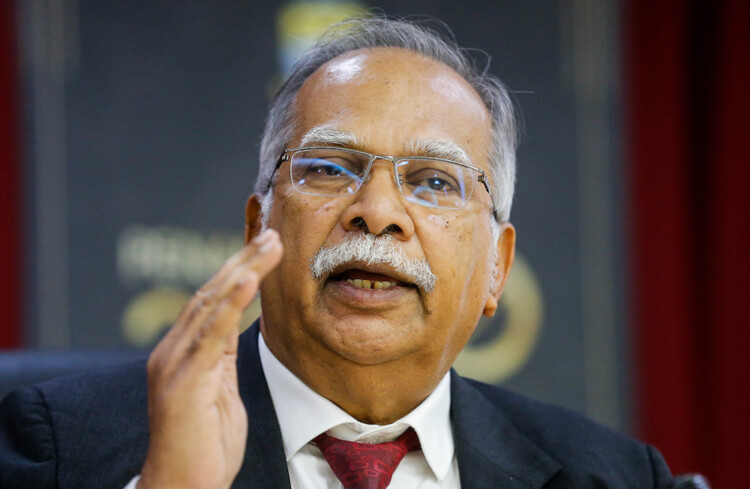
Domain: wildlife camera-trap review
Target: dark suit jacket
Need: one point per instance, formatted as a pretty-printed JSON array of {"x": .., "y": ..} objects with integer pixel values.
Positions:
[{"x": 90, "y": 431}]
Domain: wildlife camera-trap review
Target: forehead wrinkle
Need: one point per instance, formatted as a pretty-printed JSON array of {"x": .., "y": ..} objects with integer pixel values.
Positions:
[
  {"x": 322, "y": 136},
  {"x": 446, "y": 150}
]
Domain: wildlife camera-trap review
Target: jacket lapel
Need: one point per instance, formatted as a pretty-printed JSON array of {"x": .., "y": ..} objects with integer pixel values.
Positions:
[
  {"x": 264, "y": 466},
  {"x": 491, "y": 452}
]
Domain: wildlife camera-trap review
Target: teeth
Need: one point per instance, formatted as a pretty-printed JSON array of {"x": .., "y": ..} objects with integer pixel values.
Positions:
[{"x": 370, "y": 284}]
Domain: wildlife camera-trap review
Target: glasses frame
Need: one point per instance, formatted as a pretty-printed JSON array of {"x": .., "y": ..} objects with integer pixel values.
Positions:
[{"x": 289, "y": 153}]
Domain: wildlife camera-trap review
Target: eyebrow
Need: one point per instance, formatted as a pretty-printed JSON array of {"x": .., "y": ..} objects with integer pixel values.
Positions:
[
  {"x": 321, "y": 136},
  {"x": 438, "y": 149},
  {"x": 447, "y": 150}
]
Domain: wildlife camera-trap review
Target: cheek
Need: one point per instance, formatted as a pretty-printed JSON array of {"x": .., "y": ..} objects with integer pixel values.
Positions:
[
  {"x": 439, "y": 222},
  {"x": 292, "y": 216},
  {"x": 454, "y": 247},
  {"x": 460, "y": 231},
  {"x": 450, "y": 241},
  {"x": 301, "y": 239},
  {"x": 451, "y": 245}
]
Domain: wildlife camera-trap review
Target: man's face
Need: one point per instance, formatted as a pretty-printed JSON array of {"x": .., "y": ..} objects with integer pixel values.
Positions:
[{"x": 387, "y": 100}]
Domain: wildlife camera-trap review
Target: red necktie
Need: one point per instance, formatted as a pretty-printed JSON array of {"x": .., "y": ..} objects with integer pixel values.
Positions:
[{"x": 366, "y": 465}]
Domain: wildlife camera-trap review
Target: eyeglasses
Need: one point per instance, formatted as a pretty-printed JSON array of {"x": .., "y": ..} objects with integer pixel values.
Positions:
[{"x": 337, "y": 172}]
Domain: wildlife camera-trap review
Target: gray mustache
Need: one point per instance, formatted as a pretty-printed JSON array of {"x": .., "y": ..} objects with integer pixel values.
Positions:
[{"x": 371, "y": 250}]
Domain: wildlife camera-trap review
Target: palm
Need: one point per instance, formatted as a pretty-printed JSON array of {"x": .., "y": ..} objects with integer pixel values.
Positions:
[{"x": 222, "y": 433}]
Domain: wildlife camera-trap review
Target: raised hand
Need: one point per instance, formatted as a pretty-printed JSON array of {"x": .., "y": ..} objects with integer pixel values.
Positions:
[{"x": 197, "y": 422}]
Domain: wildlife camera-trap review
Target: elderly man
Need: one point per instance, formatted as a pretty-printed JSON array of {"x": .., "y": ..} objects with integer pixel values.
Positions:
[{"x": 378, "y": 235}]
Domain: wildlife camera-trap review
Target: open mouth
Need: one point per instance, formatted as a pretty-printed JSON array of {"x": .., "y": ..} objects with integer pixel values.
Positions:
[{"x": 368, "y": 280}]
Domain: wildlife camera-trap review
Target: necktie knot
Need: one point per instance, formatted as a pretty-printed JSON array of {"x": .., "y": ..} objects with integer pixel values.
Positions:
[{"x": 366, "y": 465}]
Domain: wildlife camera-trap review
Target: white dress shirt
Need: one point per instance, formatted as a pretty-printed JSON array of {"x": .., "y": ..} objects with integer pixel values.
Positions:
[{"x": 303, "y": 414}]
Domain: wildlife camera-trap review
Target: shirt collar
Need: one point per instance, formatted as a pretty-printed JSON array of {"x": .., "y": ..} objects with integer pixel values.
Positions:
[{"x": 303, "y": 414}]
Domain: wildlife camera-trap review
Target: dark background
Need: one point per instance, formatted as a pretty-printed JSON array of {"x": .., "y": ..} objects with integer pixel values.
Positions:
[
  {"x": 158, "y": 112},
  {"x": 129, "y": 140}
]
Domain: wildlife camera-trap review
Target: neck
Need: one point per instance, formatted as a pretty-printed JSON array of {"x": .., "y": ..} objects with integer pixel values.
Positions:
[{"x": 374, "y": 394}]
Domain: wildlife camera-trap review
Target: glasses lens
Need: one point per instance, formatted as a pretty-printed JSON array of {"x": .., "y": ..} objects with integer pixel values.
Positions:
[
  {"x": 434, "y": 183},
  {"x": 328, "y": 171}
]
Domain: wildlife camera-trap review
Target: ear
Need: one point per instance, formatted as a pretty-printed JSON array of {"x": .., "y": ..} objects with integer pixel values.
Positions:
[
  {"x": 252, "y": 217},
  {"x": 506, "y": 250}
]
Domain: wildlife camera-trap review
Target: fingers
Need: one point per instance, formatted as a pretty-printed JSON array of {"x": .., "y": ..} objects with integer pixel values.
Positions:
[
  {"x": 217, "y": 334},
  {"x": 205, "y": 324},
  {"x": 209, "y": 295},
  {"x": 253, "y": 257},
  {"x": 235, "y": 287}
]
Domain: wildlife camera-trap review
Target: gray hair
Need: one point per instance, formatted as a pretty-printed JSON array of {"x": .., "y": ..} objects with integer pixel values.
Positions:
[{"x": 379, "y": 31}]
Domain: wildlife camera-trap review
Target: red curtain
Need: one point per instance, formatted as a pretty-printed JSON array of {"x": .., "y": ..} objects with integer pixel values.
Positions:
[
  {"x": 10, "y": 191},
  {"x": 687, "y": 105}
]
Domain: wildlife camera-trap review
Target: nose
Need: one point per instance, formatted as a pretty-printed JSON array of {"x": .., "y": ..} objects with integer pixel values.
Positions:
[{"x": 379, "y": 207}]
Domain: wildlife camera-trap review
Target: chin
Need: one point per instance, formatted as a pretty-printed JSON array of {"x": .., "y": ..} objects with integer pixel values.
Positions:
[{"x": 369, "y": 340}]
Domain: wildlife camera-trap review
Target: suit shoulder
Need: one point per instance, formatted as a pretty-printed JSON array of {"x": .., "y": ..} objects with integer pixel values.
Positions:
[
  {"x": 585, "y": 448},
  {"x": 109, "y": 403},
  {"x": 76, "y": 395},
  {"x": 113, "y": 384},
  {"x": 68, "y": 425},
  {"x": 27, "y": 442},
  {"x": 533, "y": 416}
]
